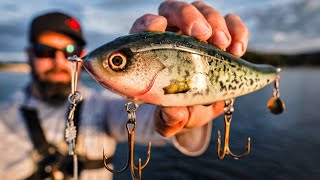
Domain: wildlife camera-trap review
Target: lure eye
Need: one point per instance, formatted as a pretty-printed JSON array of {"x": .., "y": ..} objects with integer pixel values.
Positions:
[{"x": 117, "y": 61}]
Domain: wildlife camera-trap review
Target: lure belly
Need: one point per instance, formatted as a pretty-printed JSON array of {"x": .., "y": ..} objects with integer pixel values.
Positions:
[{"x": 168, "y": 69}]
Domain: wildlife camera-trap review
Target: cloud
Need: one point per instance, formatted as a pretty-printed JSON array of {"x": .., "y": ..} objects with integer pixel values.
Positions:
[
  {"x": 102, "y": 21},
  {"x": 11, "y": 35},
  {"x": 289, "y": 26},
  {"x": 13, "y": 40}
]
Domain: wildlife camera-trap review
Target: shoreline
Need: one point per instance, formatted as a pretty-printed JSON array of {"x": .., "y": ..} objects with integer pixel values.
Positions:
[
  {"x": 25, "y": 68},
  {"x": 15, "y": 67}
]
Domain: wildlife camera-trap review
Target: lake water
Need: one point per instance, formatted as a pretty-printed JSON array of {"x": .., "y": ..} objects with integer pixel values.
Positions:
[{"x": 285, "y": 146}]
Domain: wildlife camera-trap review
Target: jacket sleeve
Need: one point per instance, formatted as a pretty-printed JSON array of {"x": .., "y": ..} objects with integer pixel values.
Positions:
[{"x": 193, "y": 142}]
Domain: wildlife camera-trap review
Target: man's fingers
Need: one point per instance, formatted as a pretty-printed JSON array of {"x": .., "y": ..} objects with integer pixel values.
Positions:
[
  {"x": 239, "y": 33},
  {"x": 220, "y": 34},
  {"x": 149, "y": 22},
  {"x": 201, "y": 115},
  {"x": 186, "y": 18},
  {"x": 170, "y": 120}
]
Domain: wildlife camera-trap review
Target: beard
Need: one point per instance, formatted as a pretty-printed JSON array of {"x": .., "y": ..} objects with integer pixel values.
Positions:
[{"x": 53, "y": 93}]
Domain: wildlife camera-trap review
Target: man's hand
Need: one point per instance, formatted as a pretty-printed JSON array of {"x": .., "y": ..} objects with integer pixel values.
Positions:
[{"x": 204, "y": 23}]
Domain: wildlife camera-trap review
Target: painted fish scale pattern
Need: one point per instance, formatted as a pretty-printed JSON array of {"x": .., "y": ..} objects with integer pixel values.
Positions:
[
  {"x": 177, "y": 64},
  {"x": 234, "y": 79}
]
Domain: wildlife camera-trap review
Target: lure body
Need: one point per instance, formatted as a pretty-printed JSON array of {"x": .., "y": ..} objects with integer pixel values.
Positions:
[{"x": 168, "y": 69}]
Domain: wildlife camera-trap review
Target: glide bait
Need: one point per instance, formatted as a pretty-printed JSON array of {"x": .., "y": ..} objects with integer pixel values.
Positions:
[{"x": 168, "y": 69}]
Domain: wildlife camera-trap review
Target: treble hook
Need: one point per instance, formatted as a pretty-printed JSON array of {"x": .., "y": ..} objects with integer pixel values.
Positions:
[
  {"x": 131, "y": 121},
  {"x": 228, "y": 109}
]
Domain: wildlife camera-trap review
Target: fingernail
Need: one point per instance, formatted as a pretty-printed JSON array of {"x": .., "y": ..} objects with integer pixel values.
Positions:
[
  {"x": 150, "y": 20},
  {"x": 220, "y": 38},
  {"x": 199, "y": 28},
  {"x": 237, "y": 49},
  {"x": 166, "y": 118}
]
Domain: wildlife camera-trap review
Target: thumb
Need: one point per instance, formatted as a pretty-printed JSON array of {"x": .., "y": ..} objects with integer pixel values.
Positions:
[
  {"x": 170, "y": 120},
  {"x": 174, "y": 115}
]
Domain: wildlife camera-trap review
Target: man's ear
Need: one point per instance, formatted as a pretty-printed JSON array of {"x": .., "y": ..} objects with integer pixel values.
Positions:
[{"x": 82, "y": 54}]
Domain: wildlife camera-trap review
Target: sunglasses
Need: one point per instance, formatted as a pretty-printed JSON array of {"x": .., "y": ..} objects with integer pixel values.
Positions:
[{"x": 44, "y": 51}]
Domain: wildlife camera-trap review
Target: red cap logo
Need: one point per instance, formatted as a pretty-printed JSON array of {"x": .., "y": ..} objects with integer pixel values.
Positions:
[{"x": 73, "y": 24}]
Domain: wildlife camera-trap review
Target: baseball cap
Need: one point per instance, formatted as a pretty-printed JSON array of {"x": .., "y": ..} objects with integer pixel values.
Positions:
[{"x": 56, "y": 22}]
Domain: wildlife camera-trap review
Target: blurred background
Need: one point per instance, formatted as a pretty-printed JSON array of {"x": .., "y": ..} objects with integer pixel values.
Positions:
[{"x": 283, "y": 33}]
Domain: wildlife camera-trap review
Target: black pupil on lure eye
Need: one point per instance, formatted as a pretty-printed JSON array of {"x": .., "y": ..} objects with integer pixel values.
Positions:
[{"x": 117, "y": 60}]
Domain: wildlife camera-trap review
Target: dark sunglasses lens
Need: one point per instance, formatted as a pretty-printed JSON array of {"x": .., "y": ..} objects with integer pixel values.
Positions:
[{"x": 42, "y": 51}]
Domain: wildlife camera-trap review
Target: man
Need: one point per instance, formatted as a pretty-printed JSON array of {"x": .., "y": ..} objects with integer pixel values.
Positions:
[{"x": 101, "y": 118}]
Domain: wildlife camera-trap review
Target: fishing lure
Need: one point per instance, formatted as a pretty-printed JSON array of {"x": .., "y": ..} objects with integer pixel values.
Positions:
[{"x": 168, "y": 69}]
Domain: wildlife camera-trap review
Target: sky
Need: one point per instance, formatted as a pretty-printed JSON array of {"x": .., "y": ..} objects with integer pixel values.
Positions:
[{"x": 284, "y": 26}]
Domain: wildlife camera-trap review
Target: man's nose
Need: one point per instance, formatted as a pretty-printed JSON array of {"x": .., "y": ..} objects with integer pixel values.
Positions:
[{"x": 60, "y": 59}]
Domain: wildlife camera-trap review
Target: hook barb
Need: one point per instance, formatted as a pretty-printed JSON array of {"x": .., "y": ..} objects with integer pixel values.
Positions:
[
  {"x": 147, "y": 160},
  {"x": 105, "y": 162},
  {"x": 226, "y": 149}
]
